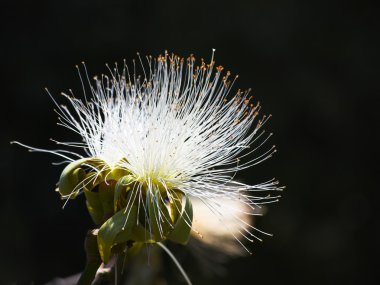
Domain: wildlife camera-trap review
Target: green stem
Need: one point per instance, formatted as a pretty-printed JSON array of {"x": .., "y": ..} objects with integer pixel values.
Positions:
[{"x": 93, "y": 260}]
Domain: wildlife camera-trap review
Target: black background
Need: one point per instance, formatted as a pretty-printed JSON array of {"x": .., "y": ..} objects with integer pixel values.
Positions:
[{"x": 312, "y": 64}]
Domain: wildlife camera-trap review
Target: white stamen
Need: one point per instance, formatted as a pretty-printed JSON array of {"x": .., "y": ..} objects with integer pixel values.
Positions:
[{"x": 176, "y": 127}]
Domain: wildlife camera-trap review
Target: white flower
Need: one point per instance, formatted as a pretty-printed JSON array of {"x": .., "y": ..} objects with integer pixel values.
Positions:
[{"x": 176, "y": 127}]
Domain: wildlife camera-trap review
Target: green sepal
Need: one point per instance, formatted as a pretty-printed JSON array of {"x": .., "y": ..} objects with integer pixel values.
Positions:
[
  {"x": 72, "y": 176},
  {"x": 106, "y": 194},
  {"x": 125, "y": 251},
  {"x": 116, "y": 229},
  {"x": 158, "y": 215},
  {"x": 137, "y": 234},
  {"x": 117, "y": 173},
  {"x": 99, "y": 203},
  {"x": 182, "y": 227},
  {"x": 175, "y": 205},
  {"x": 134, "y": 249},
  {"x": 94, "y": 206},
  {"x": 122, "y": 185}
]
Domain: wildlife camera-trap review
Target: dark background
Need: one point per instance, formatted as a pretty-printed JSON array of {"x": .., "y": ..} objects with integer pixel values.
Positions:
[{"x": 312, "y": 64}]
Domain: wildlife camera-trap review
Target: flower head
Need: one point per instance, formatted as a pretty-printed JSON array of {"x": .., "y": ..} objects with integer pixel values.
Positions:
[{"x": 175, "y": 131}]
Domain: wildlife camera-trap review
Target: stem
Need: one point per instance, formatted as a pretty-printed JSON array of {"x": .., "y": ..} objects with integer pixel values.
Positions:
[
  {"x": 93, "y": 259},
  {"x": 176, "y": 262}
]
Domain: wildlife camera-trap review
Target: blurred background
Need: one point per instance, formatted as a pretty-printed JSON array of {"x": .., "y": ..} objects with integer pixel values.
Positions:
[{"x": 313, "y": 65}]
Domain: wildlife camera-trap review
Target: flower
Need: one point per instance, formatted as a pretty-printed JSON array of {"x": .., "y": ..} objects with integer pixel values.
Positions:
[{"x": 174, "y": 132}]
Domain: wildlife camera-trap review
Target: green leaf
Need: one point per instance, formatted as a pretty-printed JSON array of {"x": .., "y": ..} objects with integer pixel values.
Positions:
[
  {"x": 182, "y": 227},
  {"x": 116, "y": 229}
]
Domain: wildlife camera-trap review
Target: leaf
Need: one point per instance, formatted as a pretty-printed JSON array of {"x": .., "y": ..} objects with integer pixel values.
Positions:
[
  {"x": 182, "y": 228},
  {"x": 119, "y": 225}
]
